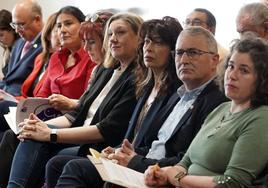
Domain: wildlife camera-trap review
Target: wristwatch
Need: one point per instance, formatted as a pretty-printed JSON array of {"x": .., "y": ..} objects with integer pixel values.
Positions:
[
  {"x": 179, "y": 176},
  {"x": 53, "y": 136}
]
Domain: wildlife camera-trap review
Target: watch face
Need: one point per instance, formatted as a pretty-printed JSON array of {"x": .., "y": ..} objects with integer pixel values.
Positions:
[{"x": 53, "y": 137}]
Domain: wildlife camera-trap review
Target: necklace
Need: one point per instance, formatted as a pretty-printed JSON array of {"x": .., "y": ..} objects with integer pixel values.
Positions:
[{"x": 226, "y": 117}]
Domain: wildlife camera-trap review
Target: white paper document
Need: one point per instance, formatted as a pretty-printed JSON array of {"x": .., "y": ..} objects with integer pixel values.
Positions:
[
  {"x": 39, "y": 106},
  {"x": 118, "y": 174},
  {"x": 11, "y": 119}
]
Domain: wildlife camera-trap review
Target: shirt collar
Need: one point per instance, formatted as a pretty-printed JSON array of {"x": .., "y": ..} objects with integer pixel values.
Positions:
[
  {"x": 34, "y": 42},
  {"x": 194, "y": 92}
]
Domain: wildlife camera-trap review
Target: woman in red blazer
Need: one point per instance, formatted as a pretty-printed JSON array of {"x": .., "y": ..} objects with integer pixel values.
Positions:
[{"x": 50, "y": 43}]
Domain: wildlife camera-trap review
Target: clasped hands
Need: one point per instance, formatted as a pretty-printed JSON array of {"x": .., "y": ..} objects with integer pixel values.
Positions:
[
  {"x": 34, "y": 128},
  {"x": 163, "y": 177},
  {"x": 121, "y": 155}
]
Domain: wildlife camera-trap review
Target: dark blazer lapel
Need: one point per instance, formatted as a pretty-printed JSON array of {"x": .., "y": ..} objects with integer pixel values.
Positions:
[
  {"x": 17, "y": 53},
  {"x": 184, "y": 118},
  {"x": 166, "y": 110},
  {"x": 98, "y": 85},
  {"x": 99, "y": 70},
  {"x": 31, "y": 50},
  {"x": 136, "y": 113},
  {"x": 149, "y": 121},
  {"x": 90, "y": 95},
  {"x": 188, "y": 113},
  {"x": 116, "y": 87}
]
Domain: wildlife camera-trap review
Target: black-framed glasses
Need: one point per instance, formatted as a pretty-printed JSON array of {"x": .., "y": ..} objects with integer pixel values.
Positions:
[
  {"x": 192, "y": 52},
  {"x": 194, "y": 22}
]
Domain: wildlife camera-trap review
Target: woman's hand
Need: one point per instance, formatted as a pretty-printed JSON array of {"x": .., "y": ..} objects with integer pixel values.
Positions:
[
  {"x": 163, "y": 176},
  {"x": 35, "y": 129},
  {"x": 124, "y": 154},
  {"x": 61, "y": 102},
  {"x": 156, "y": 176},
  {"x": 107, "y": 151}
]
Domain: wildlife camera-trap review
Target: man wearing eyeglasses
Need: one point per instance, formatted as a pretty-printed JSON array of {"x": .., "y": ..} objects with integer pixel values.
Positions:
[
  {"x": 27, "y": 22},
  {"x": 196, "y": 58},
  {"x": 252, "y": 19},
  {"x": 177, "y": 123},
  {"x": 204, "y": 18}
]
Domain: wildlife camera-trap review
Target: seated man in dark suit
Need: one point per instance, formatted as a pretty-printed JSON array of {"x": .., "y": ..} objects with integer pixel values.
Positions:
[
  {"x": 27, "y": 21},
  {"x": 177, "y": 124}
]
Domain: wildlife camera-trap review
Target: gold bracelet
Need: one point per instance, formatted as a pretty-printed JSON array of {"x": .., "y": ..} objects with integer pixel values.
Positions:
[{"x": 179, "y": 176}]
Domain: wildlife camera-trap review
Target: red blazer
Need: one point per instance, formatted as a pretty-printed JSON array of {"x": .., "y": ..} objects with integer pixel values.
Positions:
[{"x": 38, "y": 64}]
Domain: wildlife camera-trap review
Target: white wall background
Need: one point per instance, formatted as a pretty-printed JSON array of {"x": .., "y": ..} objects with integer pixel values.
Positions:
[{"x": 224, "y": 11}]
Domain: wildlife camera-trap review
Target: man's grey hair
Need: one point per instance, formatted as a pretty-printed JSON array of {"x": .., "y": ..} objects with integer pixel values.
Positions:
[
  {"x": 36, "y": 9},
  {"x": 258, "y": 13},
  {"x": 197, "y": 30}
]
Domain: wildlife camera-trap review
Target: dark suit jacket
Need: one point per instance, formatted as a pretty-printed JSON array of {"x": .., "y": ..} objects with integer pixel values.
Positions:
[
  {"x": 19, "y": 69},
  {"x": 143, "y": 138},
  {"x": 113, "y": 114},
  {"x": 186, "y": 129}
]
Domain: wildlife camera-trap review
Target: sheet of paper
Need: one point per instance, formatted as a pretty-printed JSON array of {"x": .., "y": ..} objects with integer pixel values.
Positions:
[
  {"x": 12, "y": 112},
  {"x": 6, "y": 96},
  {"x": 123, "y": 176},
  {"x": 10, "y": 118}
]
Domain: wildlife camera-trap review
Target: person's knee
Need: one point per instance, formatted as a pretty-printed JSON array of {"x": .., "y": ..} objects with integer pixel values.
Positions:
[
  {"x": 72, "y": 165},
  {"x": 4, "y": 106},
  {"x": 9, "y": 140},
  {"x": 50, "y": 166},
  {"x": 10, "y": 134}
]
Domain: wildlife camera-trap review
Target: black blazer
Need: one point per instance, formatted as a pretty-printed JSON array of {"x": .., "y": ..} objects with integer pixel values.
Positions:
[
  {"x": 113, "y": 114},
  {"x": 186, "y": 129},
  {"x": 143, "y": 138},
  {"x": 19, "y": 69}
]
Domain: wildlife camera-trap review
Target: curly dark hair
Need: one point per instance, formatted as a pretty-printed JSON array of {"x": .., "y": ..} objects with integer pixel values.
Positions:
[
  {"x": 257, "y": 49},
  {"x": 168, "y": 30}
]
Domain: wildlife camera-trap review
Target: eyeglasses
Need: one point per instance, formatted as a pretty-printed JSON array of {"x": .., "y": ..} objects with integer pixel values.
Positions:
[
  {"x": 194, "y": 22},
  {"x": 191, "y": 53},
  {"x": 20, "y": 26}
]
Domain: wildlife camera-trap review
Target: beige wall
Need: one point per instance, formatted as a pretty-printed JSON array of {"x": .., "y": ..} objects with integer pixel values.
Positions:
[{"x": 48, "y": 6}]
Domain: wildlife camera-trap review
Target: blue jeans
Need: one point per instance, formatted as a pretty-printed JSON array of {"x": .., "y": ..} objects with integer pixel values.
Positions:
[{"x": 28, "y": 166}]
